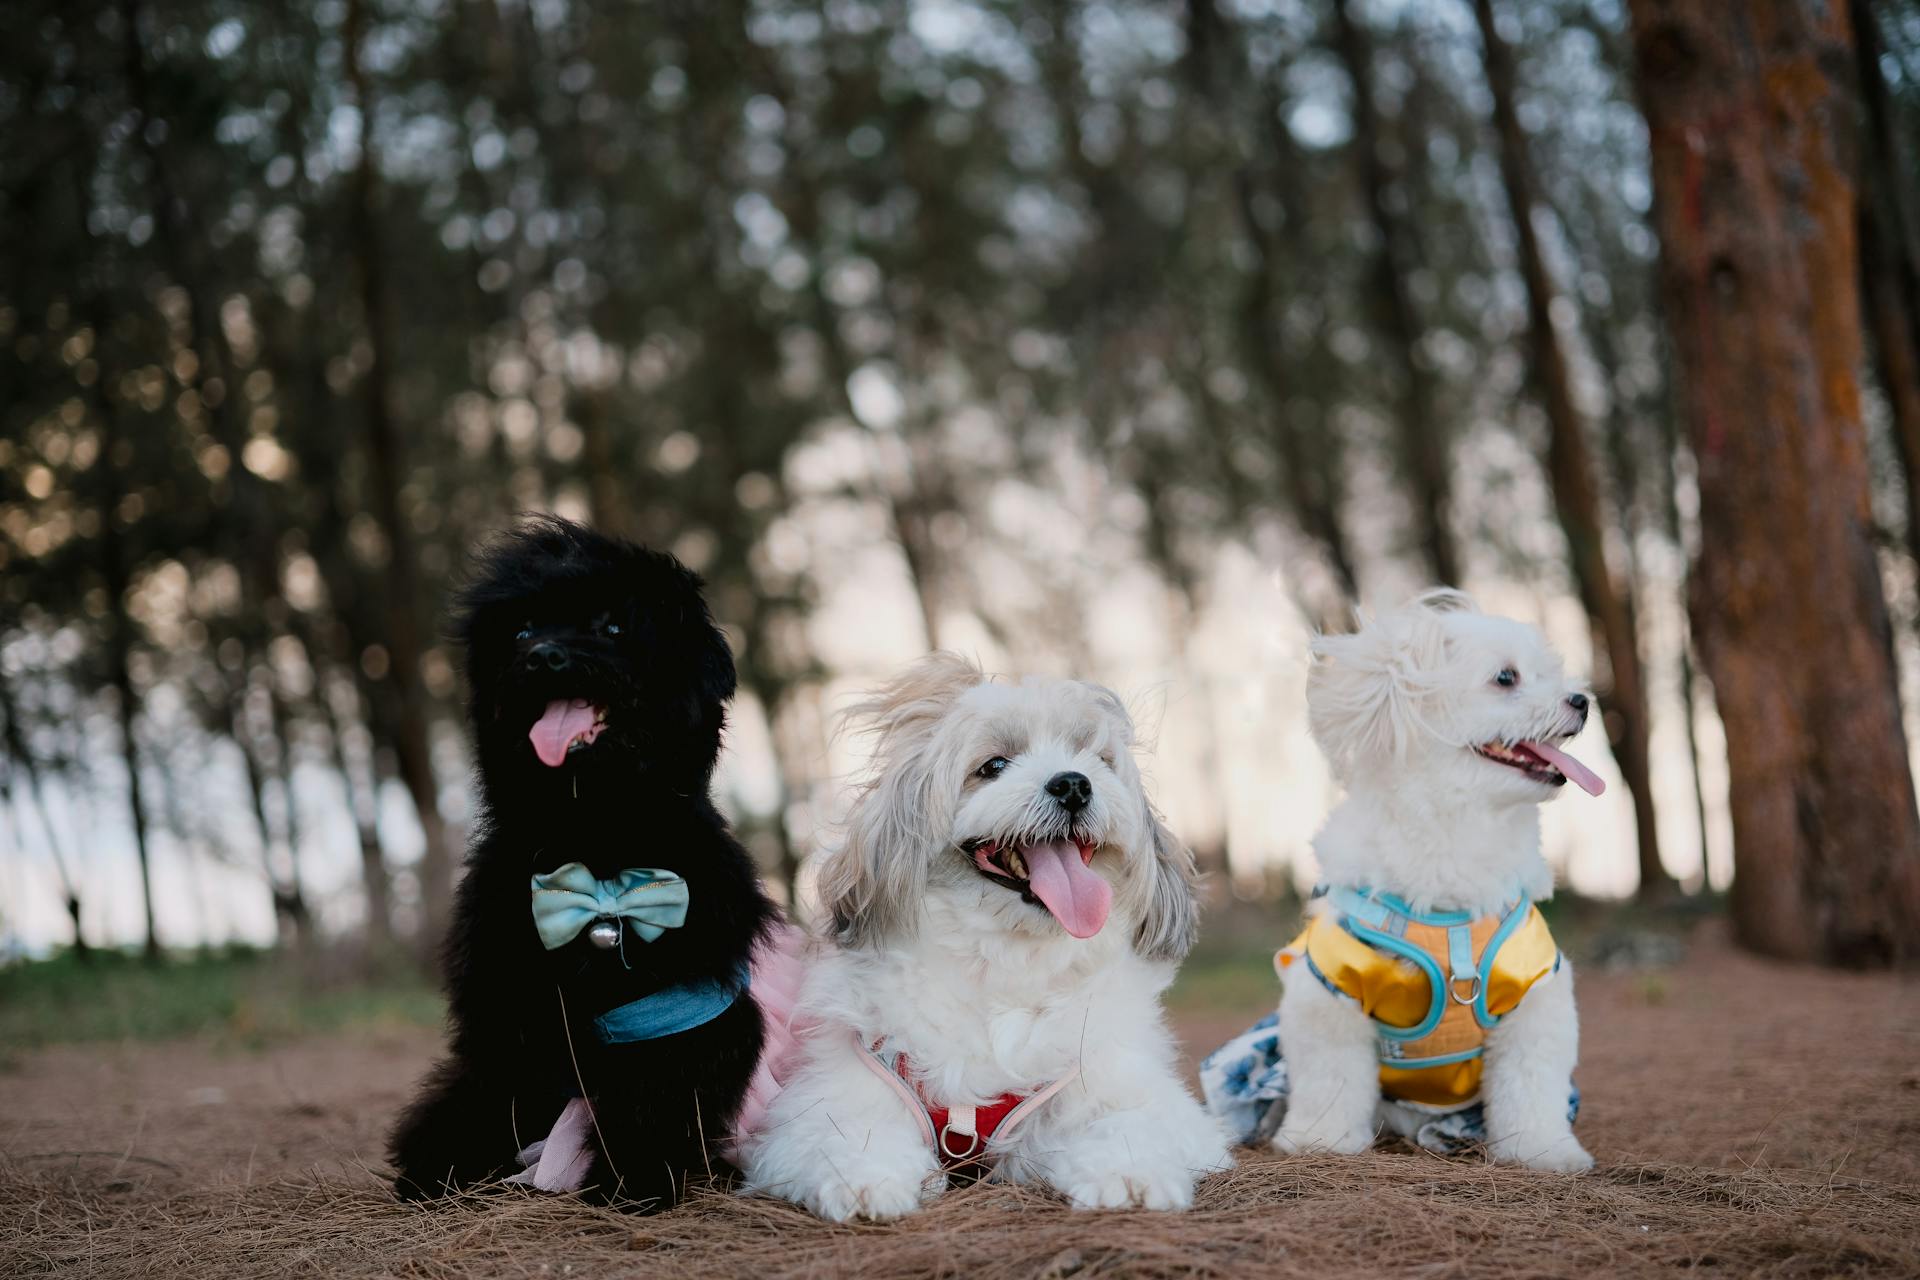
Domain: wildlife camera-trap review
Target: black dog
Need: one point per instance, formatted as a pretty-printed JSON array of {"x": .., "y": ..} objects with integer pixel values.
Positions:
[{"x": 598, "y": 685}]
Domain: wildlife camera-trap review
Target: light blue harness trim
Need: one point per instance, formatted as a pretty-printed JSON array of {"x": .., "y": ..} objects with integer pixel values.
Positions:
[
  {"x": 676, "y": 1009},
  {"x": 1515, "y": 917}
]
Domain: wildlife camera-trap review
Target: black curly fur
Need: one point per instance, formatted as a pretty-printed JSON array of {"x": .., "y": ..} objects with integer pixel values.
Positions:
[{"x": 637, "y": 797}]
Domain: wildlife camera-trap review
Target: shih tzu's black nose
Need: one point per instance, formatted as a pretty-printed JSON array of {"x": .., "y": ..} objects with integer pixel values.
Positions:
[
  {"x": 1579, "y": 702},
  {"x": 1072, "y": 790},
  {"x": 552, "y": 656}
]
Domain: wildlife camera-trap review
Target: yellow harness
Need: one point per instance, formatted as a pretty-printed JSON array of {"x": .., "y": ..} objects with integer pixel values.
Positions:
[{"x": 1433, "y": 982}]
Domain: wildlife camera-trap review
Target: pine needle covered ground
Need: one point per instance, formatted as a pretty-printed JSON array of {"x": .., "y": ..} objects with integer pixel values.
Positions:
[{"x": 1749, "y": 1119}]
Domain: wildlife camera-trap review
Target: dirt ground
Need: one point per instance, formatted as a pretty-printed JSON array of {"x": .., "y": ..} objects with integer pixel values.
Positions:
[{"x": 1749, "y": 1119}]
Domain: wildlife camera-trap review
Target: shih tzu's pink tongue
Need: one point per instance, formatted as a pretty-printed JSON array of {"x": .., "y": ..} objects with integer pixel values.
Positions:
[
  {"x": 1578, "y": 774},
  {"x": 1068, "y": 887},
  {"x": 564, "y": 720}
]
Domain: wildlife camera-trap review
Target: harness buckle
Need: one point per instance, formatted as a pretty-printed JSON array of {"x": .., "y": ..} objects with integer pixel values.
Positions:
[
  {"x": 975, "y": 1144},
  {"x": 1473, "y": 991}
]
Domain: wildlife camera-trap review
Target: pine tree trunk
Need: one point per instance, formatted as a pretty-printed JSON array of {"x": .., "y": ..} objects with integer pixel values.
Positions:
[
  {"x": 120, "y": 678},
  {"x": 1749, "y": 115},
  {"x": 387, "y": 473},
  {"x": 1572, "y": 475},
  {"x": 1423, "y": 443}
]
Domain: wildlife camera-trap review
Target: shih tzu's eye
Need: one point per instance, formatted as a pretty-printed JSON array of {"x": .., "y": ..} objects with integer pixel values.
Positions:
[
  {"x": 1507, "y": 678},
  {"x": 1109, "y": 759},
  {"x": 993, "y": 768}
]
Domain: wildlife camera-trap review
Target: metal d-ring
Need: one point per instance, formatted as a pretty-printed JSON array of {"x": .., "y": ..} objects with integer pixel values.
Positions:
[
  {"x": 1473, "y": 992},
  {"x": 975, "y": 1141}
]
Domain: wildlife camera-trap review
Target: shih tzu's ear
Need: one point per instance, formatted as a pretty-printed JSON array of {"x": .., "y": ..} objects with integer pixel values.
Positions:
[
  {"x": 1171, "y": 920},
  {"x": 1365, "y": 689},
  {"x": 872, "y": 884}
]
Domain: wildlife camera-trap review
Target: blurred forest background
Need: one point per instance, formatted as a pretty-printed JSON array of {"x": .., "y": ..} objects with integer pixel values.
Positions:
[{"x": 1131, "y": 339}]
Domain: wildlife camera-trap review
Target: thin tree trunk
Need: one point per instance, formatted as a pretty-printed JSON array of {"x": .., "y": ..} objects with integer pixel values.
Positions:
[
  {"x": 1756, "y": 212},
  {"x": 375, "y": 880},
  {"x": 120, "y": 679},
  {"x": 1571, "y": 471},
  {"x": 1313, "y": 500},
  {"x": 1422, "y": 436},
  {"x": 15, "y": 743},
  {"x": 387, "y": 473}
]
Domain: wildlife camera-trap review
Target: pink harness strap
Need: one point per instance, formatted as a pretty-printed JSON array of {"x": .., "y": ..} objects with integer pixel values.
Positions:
[{"x": 941, "y": 1126}]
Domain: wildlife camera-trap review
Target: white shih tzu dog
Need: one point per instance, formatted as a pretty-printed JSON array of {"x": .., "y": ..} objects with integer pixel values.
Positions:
[
  {"x": 1007, "y": 908},
  {"x": 1426, "y": 995}
]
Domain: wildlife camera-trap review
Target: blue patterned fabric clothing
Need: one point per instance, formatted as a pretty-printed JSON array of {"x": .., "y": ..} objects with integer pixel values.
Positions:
[{"x": 1244, "y": 1082}]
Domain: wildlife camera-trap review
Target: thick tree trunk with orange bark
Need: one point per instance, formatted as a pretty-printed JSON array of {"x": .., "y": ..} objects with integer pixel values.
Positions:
[
  {"x": 1750, "y": 109},
  {"x": 1572, "y": 474}
]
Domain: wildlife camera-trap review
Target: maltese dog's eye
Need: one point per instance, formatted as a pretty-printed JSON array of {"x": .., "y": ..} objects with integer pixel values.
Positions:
[
  {"x": 1507, "y": 678},
  {"x": 993, "y": 768}
]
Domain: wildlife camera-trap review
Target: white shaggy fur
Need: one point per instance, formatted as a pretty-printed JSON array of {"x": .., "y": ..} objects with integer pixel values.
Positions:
[
  {"x": 984, "y": 991},
  {"x": 1398, "y": 707}
]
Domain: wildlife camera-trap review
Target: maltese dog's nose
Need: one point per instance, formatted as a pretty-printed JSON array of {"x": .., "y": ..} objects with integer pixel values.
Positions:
[{"x": 1072, "y": 790}]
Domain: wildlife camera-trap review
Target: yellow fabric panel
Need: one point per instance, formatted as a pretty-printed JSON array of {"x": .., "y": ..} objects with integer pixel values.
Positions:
[
  {"x": 1528, "y": 955},
  {"x": 1452, "y": 1085},
  {"x": 1389, "y": 989}
]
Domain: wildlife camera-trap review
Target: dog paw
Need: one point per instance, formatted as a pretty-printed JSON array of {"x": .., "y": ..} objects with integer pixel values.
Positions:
[
  {"x": 877, "y": 1200},
  {"x": 1292, "y": 1142},
  {"x": 1547, "y": 1152},
  {"x": 1136, "y": 1189}
]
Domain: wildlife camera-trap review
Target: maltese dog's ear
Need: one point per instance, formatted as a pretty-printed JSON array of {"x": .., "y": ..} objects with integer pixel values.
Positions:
[
  {"x": 1171, "y": 920},
  {"x": 1365, "y": 690},
  {"x": 872, "y": 884}
]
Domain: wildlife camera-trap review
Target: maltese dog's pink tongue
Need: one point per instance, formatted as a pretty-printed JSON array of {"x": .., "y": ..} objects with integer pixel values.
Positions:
[
  {"x": 1578, "y": 774},
  {"x": 564, "y": 720},
  {"x": 1068, "y": 887}
]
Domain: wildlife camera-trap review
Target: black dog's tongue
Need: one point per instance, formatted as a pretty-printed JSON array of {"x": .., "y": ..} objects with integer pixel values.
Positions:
[{"x": 563, "y": 722}]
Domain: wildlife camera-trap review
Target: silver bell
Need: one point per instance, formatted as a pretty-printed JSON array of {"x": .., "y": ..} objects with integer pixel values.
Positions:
[{"x": 604, "y": 933}]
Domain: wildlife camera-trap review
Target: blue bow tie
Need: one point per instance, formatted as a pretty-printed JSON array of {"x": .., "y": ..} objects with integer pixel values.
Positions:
[{"x": 567, "y": 900}]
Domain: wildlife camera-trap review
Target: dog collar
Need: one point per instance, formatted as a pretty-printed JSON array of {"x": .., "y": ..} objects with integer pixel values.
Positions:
[
  {"x": 958, "y": 1134},
  {"x": 678, "y": 1008}
]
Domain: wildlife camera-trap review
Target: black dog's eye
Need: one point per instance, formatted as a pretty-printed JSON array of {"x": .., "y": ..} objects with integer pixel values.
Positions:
[
  {"x": 613, "y": 628},
  {"x": 1507, "y": 678},
  {"x": 994, "y": 767},
  {"x": 525, "y": 633}
]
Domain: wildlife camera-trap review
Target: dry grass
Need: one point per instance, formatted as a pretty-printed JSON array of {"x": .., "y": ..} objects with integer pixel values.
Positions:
[
  {"x": 1389, "y": 1214},
  {"x": 1749, "y": 1119}
]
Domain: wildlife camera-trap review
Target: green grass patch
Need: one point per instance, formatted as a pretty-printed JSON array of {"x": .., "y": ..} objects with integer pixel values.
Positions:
[{"x": 240, "y": 996}]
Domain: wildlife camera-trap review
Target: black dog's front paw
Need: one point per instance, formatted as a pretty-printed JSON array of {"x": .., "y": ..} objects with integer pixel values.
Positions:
[
  {"x": 458, "y": 1136},
  {"x": 637, "y": 1185}
]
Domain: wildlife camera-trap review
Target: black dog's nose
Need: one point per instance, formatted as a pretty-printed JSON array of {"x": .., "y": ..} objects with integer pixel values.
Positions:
[
  {"x": 1072, "y": 790},
  {"x": 1579, "y": 702},
  {"x": 552, "y": 656}
]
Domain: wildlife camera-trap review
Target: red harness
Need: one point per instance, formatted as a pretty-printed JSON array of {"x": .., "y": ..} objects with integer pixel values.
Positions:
[{"x": 958, "y": 1134}]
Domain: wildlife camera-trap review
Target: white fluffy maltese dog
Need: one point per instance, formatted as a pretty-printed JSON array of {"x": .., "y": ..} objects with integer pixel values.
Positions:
[
  {"x": 1426, "y": 995},
  {"x": 1007, "y": 909}
]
